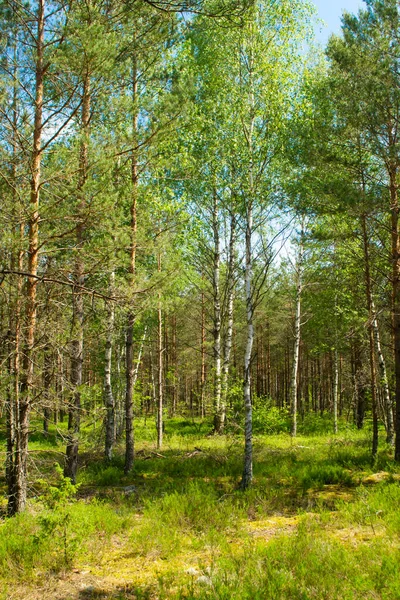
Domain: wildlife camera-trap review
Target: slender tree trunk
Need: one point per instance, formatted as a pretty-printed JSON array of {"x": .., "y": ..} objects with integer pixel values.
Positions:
[
  {"x": 247, "y": 476},
  {"x": 108, "y": 392},
  {"x": 11, "y": 406},
  {"x": 229, "y": 319},
  {"x": 74, "y": 415},
  {"x": 174, "y": 369},
  {"x": 217, "y": 316},
  {"x": 46, "y": 389},
  {"x": 335, "y": 388},
  {"x": 14, "y": 349},
  {"x": 297, "y": 333},
  {"x": 24, "y": 407},
  {"x": 368, "y": 289},
  {"x": 129, "y": 439},
  {"x": 384, "y": 381},
  {"x": 359, "y": 387},
  {"x": 160, "y": 395},
  {"x": 203, "y": 358},
  {"x": 394, "y": 206}
]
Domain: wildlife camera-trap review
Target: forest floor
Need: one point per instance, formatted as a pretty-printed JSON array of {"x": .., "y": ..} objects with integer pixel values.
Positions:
[{"x": 320, "y": 521}]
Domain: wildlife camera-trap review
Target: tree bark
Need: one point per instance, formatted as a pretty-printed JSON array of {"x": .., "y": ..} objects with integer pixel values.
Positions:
[
  {"x": 108, "y": 392},
  {"x": 25, "y": 399},
  {"x": 229, "y": 319},
  {"x": 335, "y": 388},
  {"x": 46, "y": 388},
  {"x": 297, "y": 333},
  {"x": 247, "y": 476},
  {"x": 217, "y": 316},
  {"x": 384, "y": 381},
  {"x": 160, "y": 382},
  {"x": 74, "y": 413},
  {"x": 129, "y": 438},
  {"x": 203, "y": 359},
  {"x": 370, "y": 307}
]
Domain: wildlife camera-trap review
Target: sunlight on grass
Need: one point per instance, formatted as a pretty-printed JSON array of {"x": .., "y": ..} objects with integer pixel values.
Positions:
[{"x": 178, "y": 527}]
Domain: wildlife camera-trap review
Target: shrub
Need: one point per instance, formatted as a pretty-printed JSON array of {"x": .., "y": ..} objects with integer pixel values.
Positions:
[{"x": 270, "y": 419}]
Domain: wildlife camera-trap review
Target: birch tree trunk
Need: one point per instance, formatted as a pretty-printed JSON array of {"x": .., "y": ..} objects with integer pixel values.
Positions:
[
  {"x": 388, "y": 405},
  {"x": 247, "y": 476},
  {"x": 229, "y": 319},
  {"x": 394, "y": 207},
  {"x": 368, "y": 290},
  {"x": 297, "y": 333},
  {"x": 108, "y": 392},
  {"x": 217, "y": 316}
]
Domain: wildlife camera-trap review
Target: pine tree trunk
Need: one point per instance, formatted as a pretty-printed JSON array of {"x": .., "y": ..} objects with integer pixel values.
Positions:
[
  {"x": 174, "y": 368},
  {"x": 46, "y": 389},
  {"x": 25, "y": 399},
  {"x": 335, "y": 389},
  {"x": 160, "y": 390},
  {"x": 359, "y": 387},
  {"x": 74, "y": 413},
  {"x": 14, "y": 349},
  {"x": 129, "y": 438}
]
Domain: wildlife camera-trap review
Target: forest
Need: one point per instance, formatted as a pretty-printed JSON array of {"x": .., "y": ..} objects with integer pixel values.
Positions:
[{"x": 199, "y": 301}]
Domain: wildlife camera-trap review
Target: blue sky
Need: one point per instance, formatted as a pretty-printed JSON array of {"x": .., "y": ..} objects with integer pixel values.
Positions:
[{"x": 330, "y": 11}]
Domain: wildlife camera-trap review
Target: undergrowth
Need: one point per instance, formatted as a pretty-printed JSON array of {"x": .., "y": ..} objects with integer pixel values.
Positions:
[{"x": 301, "y": 532}]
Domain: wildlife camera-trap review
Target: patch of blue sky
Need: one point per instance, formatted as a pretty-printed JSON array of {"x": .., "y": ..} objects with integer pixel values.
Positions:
[{"x": 330, "y": 12}]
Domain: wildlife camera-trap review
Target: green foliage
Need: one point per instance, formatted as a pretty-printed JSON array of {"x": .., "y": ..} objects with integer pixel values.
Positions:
[
  {"x": 56, "y": 521},
  {"x": 58, "y": 497},
  {"x": 109, "y": 476},
  {"x": 315, "y": 424},
  {"x": 320, "y": 475},
  {"x": 268, "y": 419}
]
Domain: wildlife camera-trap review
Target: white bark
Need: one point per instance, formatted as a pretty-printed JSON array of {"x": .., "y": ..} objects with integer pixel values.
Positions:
[
  {"x": 383, "y": 379},
  {"x": 108, "y": 392},
  {"x": 229, "y": 318},
  {"x": 248, "y": 451},
  {"x": 217, "y": 316},
  {"x": 297, "y": 335}
]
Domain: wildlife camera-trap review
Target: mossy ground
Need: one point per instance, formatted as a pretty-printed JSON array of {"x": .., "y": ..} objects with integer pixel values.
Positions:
[{"x": 319, "y": 522}]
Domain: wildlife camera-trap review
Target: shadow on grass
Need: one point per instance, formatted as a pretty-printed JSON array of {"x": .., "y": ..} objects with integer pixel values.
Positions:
[
  {"x": 284, "y": 473},
  {"x": 119, "y": 593}
]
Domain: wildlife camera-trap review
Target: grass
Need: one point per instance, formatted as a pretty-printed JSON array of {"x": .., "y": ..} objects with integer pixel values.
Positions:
[{"x": 317, "y": 523}]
